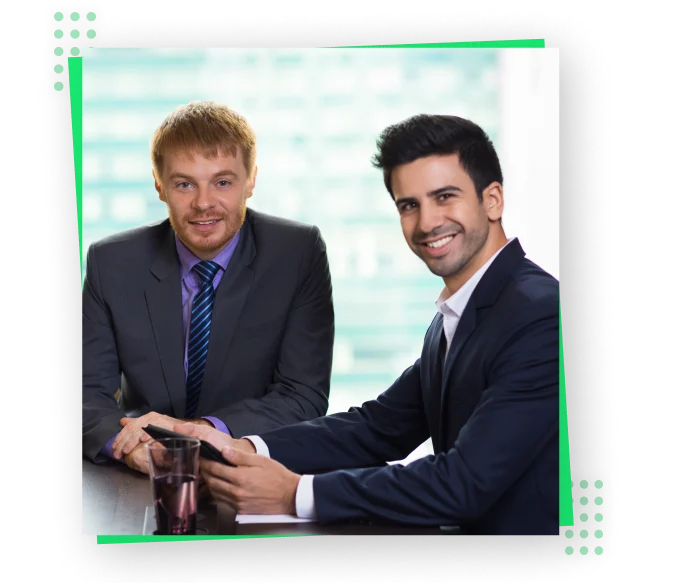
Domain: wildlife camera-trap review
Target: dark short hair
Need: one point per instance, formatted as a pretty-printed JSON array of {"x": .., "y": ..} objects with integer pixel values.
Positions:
[{"x": 428, "y": 135}]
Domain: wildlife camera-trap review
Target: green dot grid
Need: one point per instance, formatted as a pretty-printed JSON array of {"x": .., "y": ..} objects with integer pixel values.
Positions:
[
  {"x": 584, "y": 517},
  {"x": 58, "y": 33}
]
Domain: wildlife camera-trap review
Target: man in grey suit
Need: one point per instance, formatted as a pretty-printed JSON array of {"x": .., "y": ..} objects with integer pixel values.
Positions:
[{"x": 219, "y": 315}]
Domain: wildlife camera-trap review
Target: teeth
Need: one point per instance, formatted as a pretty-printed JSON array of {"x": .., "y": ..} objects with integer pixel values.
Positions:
[
  {"x": 440, "y": 242},
  {"x": 205, "y": 222}
]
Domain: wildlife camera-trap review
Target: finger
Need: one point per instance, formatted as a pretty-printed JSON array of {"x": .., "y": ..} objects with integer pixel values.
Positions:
[
  {"x": 241, "y": 458},
  {"x": 132, "y": 439},
  {"x": 125, "y": 421},
  {"x": 121, "y": 439},
  {"x": 219, "y": 471},
  {"x": 187, "y": 428},
  {"x": 145, "y": 437},
  {"x": 209, "y": 467},
  {"x": 222, "y": 490}
]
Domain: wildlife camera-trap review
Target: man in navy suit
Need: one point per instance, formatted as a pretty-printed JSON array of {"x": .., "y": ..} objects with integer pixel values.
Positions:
[{"x": 485, "y": 388}]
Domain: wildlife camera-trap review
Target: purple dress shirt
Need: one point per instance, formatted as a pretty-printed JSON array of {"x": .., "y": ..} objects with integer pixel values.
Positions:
[{"x": 190, "y": 284}]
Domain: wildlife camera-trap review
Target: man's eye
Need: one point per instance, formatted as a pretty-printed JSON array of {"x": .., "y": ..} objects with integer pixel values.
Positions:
[
  {"x": 224, "y": 183},
  {"x": 406, "y": 207},
  {"x": 183, "y": 185}
]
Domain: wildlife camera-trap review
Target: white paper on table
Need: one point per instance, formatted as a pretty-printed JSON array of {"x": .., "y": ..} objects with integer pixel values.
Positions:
[{"x": 269, "y": 519}]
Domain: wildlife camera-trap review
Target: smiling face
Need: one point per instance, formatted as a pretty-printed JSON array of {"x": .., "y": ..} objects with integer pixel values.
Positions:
[
  {"x": 206, "y": 198},
  {"x": 443, "y": 220}
]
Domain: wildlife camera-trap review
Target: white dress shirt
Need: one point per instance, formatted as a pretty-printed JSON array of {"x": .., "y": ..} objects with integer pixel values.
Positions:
[{"x": 451, "y": 307}]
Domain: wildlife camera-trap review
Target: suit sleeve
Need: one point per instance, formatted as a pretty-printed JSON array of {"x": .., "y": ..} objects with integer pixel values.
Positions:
[
  {"x": 514, "y": 420},
  {"x": 100, "y": 366},
  {"x": 300, "y": 386},
  {"x": 386, "y": 428}
]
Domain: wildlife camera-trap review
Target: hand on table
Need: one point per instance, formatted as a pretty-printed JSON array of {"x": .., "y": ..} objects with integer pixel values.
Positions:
[
  {"x": 137, "y": 459},
  {"x": 257, "y": 485},
  {"x": 132, "y": 430},
  {"x": 132, "y": 433}
]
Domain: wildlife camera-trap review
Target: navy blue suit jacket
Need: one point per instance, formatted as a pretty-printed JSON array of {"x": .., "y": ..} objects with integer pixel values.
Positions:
[{"x": 491, "y": 409}]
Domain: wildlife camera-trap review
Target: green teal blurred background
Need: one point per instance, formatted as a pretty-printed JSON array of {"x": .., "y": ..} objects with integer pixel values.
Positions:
[{"x": 317, "y": 114}]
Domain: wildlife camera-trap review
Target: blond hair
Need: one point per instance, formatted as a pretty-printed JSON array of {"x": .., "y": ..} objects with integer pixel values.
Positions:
[{"x": 203, "y": 127}]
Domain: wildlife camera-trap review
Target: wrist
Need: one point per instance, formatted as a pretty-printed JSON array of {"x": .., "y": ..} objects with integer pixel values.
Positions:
[
  {"x": 244, "y": 444},
  {"x": 293, "y": 481}
]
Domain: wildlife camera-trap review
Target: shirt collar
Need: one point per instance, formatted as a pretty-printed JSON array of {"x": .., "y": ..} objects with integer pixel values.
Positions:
[
  {"x": 456, "y": 303},
  {"x": 188, "y": 259}
]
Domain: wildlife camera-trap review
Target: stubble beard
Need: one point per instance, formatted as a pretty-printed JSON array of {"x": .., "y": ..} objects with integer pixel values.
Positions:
[
  {"x": 472, "y": 244},
  {"x": 195, "y": 242}
]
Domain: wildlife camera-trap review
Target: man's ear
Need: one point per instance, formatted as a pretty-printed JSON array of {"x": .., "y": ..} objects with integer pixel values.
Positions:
[
  {"x": 493, "y": 201},
  {"x": 158, "y": 188},
  {"x": 251, "y": 184}
]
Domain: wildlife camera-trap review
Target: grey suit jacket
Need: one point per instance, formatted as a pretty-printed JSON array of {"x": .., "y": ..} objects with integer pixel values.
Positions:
[{"x": 272, "y": 331}]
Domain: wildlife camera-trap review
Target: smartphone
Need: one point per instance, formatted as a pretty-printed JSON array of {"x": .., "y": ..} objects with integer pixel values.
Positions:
[{"x": 206, "y": 450}]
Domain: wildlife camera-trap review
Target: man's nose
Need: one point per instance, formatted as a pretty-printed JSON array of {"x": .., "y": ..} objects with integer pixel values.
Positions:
[
  {"x": 430, "y": 218},
  {"x": 203, "y": 199}
]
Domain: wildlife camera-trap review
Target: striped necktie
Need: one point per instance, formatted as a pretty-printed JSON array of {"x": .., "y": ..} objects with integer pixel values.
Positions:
[{"x": 200, "y": 330}]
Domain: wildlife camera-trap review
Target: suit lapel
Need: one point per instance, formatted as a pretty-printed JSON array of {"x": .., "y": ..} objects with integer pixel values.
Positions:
[
  {"x": 486, "y": 294},
  {"x": 436, "y": 358},
  {"x": 230, "y": 300},
  {"x": 465, "y": 327},
  {"x": 163, "y": 298}
]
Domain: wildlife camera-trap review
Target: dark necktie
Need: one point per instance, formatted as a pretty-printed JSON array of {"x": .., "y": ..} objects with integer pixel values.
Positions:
[{"x": 200, "y": 330}]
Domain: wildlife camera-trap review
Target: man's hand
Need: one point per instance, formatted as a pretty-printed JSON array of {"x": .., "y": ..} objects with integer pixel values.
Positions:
[
  {"x": 216, "y": 438},
  {"x": 132, "y": 433},
  {"x": 257, "y": 485},
  {"x": 137, "y": 459}
]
